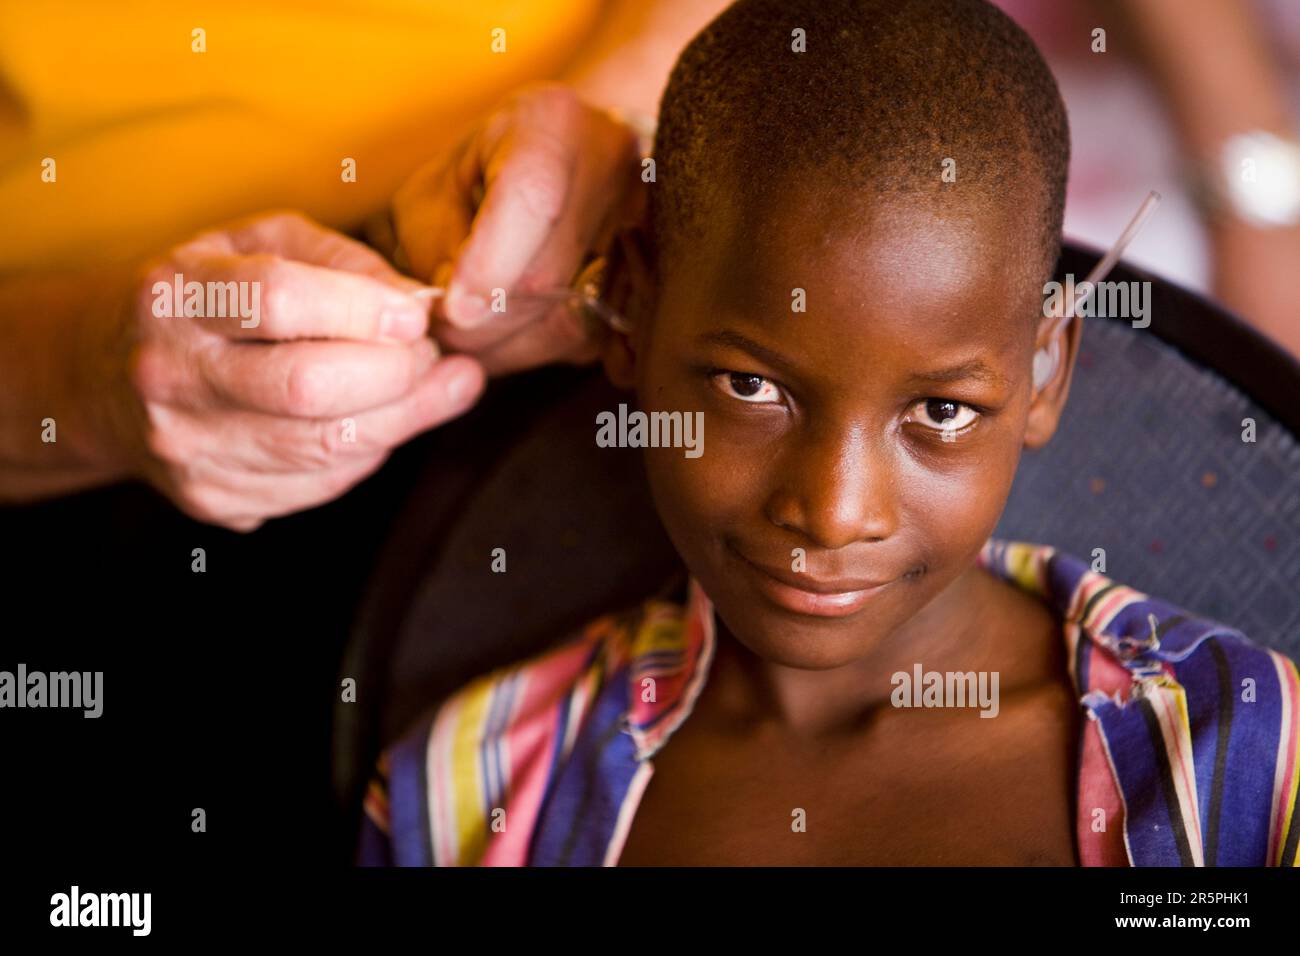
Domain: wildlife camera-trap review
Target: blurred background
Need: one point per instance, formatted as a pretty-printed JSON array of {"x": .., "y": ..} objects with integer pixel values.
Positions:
[
  {"x": 155, "y": 143},
  {"x": 1176, "y": 81}
]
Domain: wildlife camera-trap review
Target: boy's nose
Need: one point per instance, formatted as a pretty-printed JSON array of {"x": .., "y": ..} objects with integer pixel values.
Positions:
[{"x": 835, "y": 492}]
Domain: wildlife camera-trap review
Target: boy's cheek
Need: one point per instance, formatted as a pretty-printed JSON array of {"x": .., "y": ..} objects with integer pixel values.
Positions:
[
  {"x": 948, "y": 514},
  {"x": 702, "y": 504},
  {"x": 705, "y": 487}
]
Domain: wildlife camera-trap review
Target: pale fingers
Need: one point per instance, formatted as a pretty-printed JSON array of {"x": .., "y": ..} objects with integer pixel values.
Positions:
[
  {"x": 313, "y": 379},
  {"x": 242, "y": 501},
  {"x": 266, "y": 444},
  {"x": 273, "y": 299}
]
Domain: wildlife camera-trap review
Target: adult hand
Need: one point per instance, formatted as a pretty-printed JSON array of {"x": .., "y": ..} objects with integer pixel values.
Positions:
[
  {"x": 238, "y": 420},
  {"x": 556, "y": 178}
]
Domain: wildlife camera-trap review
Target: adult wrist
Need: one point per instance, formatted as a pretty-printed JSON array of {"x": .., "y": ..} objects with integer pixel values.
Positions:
[
  {"x": 60, "y": 432},
  {"x": 86, "y": 382}
]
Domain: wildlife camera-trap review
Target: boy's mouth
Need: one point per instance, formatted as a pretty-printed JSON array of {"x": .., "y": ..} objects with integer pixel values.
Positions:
[{"x": 802, "y": 593}]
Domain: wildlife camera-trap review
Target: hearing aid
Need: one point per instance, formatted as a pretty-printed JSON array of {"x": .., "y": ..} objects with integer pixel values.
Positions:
[{"x": 1046, "y": 361}]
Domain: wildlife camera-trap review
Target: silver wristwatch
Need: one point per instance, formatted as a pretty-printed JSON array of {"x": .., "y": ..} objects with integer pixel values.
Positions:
[{"x": 1255, "y": 178}]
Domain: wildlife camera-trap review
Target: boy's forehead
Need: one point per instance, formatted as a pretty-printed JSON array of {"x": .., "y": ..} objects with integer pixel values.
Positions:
[{"x": 902, "y": 253}]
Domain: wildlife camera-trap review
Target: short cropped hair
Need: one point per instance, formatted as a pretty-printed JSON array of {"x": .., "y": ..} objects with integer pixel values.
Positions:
[{"x": 885, "y": 91}]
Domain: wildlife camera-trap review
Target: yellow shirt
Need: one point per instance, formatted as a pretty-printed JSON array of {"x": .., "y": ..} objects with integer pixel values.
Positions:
[{"x": 156, "y": 131}]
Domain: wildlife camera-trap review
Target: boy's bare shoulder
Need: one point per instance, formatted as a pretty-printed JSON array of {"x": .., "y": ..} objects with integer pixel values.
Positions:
[{"x": 1031, "y": 651}]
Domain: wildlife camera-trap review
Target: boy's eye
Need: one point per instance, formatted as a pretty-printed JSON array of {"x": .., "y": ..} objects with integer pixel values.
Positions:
[
  {"x": 747, "y": 387},
  {"x": 943, "y": 415}
]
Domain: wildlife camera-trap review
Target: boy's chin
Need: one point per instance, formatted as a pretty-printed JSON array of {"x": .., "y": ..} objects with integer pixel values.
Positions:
[{"x": 801, "y": 642}]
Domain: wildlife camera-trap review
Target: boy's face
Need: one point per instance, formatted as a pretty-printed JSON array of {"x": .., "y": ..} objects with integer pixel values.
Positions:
[{"x": 824, "y": 429}]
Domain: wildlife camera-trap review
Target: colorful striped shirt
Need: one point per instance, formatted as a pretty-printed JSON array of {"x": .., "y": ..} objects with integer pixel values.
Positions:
[{"x": 1190, "y": 753}]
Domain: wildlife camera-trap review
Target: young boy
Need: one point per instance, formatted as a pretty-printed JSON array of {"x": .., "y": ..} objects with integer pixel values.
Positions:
[{"x": 857, "y": 205}]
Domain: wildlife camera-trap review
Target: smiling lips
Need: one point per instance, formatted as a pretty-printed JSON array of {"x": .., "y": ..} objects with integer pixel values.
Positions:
[{"x": 803, "y": 594}]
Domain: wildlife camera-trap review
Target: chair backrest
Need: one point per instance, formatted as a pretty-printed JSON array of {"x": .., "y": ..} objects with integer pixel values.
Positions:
[
  {"x": 1149, "y": 465},
  {"x": 579, "y": 534}
]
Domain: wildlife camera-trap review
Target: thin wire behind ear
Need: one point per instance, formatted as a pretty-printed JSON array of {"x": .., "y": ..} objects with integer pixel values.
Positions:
[
  {"x": 611, "y": 292},
  {"x": 1107, "y": 262},
  {"x": 589, "y": 286},
  {"x": 1048, "y": 358}
]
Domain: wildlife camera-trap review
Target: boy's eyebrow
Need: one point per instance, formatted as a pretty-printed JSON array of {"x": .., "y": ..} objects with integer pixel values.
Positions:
[
  {"x": 973, "y": 368},
  {"x": 745, "y": 344}
]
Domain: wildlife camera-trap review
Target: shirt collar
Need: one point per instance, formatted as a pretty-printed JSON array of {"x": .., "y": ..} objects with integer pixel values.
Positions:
[
  {"x": 672, "y": 648},
  {"x": 1140, "y": 631}
]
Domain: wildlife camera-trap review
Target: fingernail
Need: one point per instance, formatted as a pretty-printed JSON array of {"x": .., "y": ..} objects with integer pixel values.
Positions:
[
  {"x": 402, "y": 324},
  {"x": 465, "y": 307},
  {"x": 461, "y": 386}
]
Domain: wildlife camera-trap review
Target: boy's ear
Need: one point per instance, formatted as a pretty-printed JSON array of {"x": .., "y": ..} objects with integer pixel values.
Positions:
[
  {"x": 1054, "y": 356},
  {"x": 629, "y": 290}
]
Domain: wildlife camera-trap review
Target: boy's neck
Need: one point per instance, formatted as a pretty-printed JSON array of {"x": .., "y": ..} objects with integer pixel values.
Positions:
[{"x": 977, "y": 623}]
